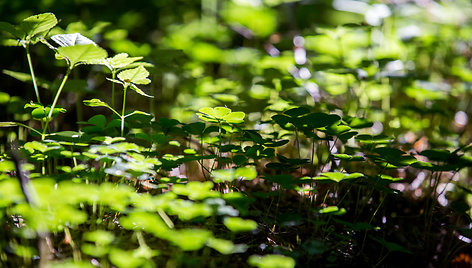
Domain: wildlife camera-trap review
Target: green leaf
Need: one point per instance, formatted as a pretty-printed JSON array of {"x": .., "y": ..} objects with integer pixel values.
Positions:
[
  {"x": 71, "y": 136},
  {"x": 24, "y": 77},
  {"x": 235, "y": 117},
  {"x": 38, "y": 24},
  {"x": 296, "y": 112},
  {"x": 7, "y": 166},
  {"x": 98, "y": 120},
  {"x": 239, "y": 159},
  {"x": 39, "y": 113},
  {"x": 395, "y": 156},
  {"x": 95, "y": 103},
  {"x": 338, "y": 176},
  {"x": 246, "y": 173},
  {"x": 137, "y": 112},
  {"x": 196, "y": 190},
  {"x": 148, "y": 222},
  {"x": 332, "y": 210},
  {"x": 271, "y": 261},
  {"x": 347, "y": 157},
  {"x": 243, "y": 15},
  {"x": 35, "y": 145},
  {"x": 115, "y": 81},
  {"x": 100, "y": 237},
  {"x": 236, "y": 224},
  {"x": 136, "y": 76},
  {"x": 222, "y": 175},
  {"x": 8, "y": 124},
  {"x": 388, "y": 178},
  {"x": 4, "y": 97},
  {"x": 207, "y": 114},
  {"x": 221, "y": 112},
  {"x": 369, "y": 139},
  {"x": 195, "y": 128},
  {"x": 123, "y": 258},
  {"x": 318, "y": 120},
  {"x": 390, "y": 246},
  {"x": 357, "y": 123},
  {"x": 437, "y": 155},
  {"x": 190, "y": 239},
  {"x": 139, "y": 91},
  {"x": 11, "y": 29},
  {"x": 42, "y": 112},
  {"x": 119, "y": 61},
  {"x": 221, "y": 245},
  {"x": 12, "y": 124},
  {"x": 79, "y": 54}
]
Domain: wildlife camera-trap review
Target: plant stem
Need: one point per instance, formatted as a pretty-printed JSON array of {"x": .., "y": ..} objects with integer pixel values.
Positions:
[
  {"x": 75, "y": 250},
  {"x": 56, "y": 98},
  {"x": 123, "y": 111},
  {"x": 312, "y": 158},
  {"x": 113, "y": 76},
  {"x": 33, "y": 77},
  {"x": 298, "y": 149}
]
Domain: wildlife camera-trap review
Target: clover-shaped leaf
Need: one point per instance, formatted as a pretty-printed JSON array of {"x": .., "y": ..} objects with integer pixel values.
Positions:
[
  {"x": 219, "y": 114},
  {"x": 119, "y": 61},
  {"x": 235, "y": 117},
  {"x": 337, "y": 176},
  {"x": 132, "y": 77},
  {"x": 136, "y": 75}
]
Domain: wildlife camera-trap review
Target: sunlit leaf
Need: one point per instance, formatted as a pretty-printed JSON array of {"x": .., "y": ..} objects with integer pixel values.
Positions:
[
  {"x": 139, "y": 91},
  {"x": 79, "y": 54},
  {"x": 190, "y": 239},
  {"x": 271, "y": 261},
  {"x": 234, "y": 117},
  {"x": 246, "y": 173},
  {"x": 221, "y": 245},
  {"x": 332, "y": 210},
  {"x": 236, "y": 224},
  {"x": 119, "y": 61},
  {"x": 136, "y": 75}
]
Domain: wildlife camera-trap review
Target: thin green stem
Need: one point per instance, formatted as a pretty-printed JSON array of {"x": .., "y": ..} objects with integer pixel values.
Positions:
[
  {"x": 313, "y": 158},
  {"x": 370, "y": 221},
  {"x": 56, "y": 98},
  {"x": 298, "y": 149},
  {"x": 75, "y": 250},
  {"x": 33, "y": 77},
  {"x": 26, "y": 126},
  {"x": 113, "y": 76},
  {"x": 123, "y": 111}
]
